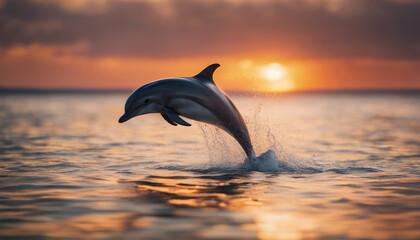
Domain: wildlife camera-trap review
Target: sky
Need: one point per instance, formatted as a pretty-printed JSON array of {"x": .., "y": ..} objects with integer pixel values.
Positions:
[{"x": 262, "y": 45}]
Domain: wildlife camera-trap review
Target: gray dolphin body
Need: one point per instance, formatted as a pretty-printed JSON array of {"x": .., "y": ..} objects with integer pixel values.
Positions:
[{"x": 197, "y": 98}]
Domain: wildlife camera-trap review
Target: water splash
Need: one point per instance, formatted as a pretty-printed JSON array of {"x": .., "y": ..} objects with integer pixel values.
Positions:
[{"x": 225, "y": 154}]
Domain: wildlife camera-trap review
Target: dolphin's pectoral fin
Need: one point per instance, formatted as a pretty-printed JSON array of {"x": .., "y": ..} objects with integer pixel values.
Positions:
[
  {"x": 168, "y": 119},
  {"x": 174, "y": 117}
]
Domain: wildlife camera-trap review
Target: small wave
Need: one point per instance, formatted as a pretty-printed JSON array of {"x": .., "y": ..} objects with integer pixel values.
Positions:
[{"x": 349, "y": 170}]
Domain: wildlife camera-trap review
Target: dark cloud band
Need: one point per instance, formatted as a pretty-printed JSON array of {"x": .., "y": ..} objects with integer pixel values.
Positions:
[{"x": 283, "y": 29}]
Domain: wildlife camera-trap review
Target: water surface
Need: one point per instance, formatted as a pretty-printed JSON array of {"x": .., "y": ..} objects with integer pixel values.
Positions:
[{"x": 347, "y": 167}]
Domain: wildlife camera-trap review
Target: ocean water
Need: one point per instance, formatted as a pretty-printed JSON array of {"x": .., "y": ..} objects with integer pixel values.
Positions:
[{"x": 333, "y": 166}]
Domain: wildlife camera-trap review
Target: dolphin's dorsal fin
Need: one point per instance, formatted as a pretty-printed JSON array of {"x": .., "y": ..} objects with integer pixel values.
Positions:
[{"x": 207, "y": 73}]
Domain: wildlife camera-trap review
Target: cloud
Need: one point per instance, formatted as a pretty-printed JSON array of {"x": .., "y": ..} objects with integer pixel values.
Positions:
[{"x": 375, "y": 29}]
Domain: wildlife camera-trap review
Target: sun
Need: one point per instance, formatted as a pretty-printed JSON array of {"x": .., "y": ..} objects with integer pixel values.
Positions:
[
  {"x": 271, "y": 77},
  {"x": 273, "y": 72},
  {"x": 277, "y": 78}
]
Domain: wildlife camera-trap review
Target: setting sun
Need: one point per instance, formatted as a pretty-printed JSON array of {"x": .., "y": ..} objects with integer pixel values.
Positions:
[
  {"x": 277, "y": 78},
  {"x": 273, "y": 72}
]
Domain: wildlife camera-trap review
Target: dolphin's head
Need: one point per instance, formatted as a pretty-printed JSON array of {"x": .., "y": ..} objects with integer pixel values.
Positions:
[{"x": 142, "y": 101}]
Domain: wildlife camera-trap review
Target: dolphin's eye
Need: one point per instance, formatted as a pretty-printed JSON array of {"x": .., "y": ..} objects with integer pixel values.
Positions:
[{"x": 146, "y": 101}]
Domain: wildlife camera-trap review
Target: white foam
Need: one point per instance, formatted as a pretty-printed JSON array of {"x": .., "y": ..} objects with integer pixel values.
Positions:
[{"x": 269, "y": 162}]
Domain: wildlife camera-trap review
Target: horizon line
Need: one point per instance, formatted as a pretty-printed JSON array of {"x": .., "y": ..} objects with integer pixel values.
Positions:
[{"x": 126, "y": 90}]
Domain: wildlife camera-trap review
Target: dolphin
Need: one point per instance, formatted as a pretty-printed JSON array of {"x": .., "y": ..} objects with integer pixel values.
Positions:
[{"x": 197, "y": 98}]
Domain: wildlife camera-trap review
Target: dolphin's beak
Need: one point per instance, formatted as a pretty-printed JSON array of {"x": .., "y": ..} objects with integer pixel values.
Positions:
[{"x": 127, "y": 116}]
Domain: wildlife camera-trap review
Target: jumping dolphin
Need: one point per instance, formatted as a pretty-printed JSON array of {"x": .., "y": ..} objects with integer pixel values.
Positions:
[{"x": 197, "y": 98}]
